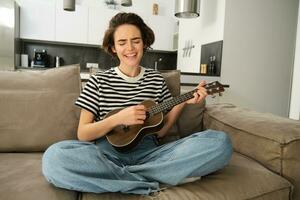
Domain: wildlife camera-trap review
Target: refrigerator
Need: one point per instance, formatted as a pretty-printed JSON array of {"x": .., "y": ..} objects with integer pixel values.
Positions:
[{"x": 9, "y": 35}]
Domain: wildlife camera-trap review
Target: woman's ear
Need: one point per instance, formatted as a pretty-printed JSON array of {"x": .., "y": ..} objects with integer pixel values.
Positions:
[{"x": 113, "y": 49}]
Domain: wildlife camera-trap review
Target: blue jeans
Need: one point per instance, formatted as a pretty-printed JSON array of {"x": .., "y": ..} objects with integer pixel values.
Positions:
[{"x": 98, "y": 167}]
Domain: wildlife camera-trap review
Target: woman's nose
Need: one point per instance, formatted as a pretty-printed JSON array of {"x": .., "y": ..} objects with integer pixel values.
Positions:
[{"x": 130, "y": 45}]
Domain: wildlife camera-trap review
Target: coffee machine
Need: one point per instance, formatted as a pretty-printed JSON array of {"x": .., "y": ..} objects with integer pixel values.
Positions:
[{"x": 40, "y": 59}]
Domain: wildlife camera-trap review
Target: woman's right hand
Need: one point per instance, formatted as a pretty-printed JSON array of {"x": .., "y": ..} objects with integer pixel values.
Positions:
[{"x": 131, "y": 115}]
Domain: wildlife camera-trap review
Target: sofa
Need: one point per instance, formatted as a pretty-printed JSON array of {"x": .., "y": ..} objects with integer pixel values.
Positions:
[{"x": 37, "y": 109}]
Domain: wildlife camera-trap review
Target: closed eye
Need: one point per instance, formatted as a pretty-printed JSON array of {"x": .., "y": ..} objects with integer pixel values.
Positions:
[
  {"x": 136, "y": 41},
  {"x": 121, "y": 43}
]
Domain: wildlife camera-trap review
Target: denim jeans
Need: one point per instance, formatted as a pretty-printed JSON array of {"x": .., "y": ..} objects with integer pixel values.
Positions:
[{"x": 98, "y": 167}]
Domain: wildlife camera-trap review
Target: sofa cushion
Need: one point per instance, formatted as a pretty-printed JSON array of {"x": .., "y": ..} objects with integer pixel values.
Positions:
[
  {"x": 172, "y": 78},
  {"x": 190, "y": 119},
  {"x": 37, "y": 108},
  {"x": 272, "y": 140},
  {"x": 242, "y": 179},
  {"x": 21, "y": 178}
]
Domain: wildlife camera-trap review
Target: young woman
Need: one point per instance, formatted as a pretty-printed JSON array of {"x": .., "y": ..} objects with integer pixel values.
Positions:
[{"x": 92, "y": 164}]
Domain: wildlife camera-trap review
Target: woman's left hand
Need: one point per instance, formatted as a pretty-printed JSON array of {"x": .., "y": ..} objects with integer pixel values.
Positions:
[{"x": 200, "y": 95}]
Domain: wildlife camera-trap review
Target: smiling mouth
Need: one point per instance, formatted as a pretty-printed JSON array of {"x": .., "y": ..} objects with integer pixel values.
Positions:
[{"x": 133, "y": 55}]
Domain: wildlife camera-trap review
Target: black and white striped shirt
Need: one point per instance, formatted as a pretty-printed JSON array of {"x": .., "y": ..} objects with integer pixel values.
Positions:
[{"x": 111, "y": 89}]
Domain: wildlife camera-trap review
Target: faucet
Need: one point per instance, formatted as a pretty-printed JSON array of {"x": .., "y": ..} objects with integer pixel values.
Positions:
[{"x": 156, "y": 63}]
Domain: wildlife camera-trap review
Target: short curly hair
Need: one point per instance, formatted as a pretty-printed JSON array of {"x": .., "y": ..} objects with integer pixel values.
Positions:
[{"x": 127, "y": 18}]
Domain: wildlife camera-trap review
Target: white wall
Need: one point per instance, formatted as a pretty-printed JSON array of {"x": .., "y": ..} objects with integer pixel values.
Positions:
[
  {"x": 209, "y": 27},
  {"x": 258, "y": 54},
  {"x": 295, "y": 96}
]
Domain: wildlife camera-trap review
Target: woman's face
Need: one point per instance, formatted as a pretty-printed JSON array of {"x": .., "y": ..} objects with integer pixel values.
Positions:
[{"x": 128, "y": 45}]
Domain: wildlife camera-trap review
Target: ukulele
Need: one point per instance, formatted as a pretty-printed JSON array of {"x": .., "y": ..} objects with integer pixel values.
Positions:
[{"x": 123, "y": 138}]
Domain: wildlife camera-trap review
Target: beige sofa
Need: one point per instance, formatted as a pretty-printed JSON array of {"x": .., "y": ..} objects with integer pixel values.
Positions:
[{"x": 37, "y": 109}]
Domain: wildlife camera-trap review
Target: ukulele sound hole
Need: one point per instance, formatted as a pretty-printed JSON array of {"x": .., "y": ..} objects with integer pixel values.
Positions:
[{"x": 125, "y": 128}]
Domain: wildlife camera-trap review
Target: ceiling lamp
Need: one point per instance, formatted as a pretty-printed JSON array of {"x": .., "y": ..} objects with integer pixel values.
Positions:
[
  {"x": 187, "y": 8},
  {"x": 69, "y": 5},
  {"x": 126, "y": 3}
]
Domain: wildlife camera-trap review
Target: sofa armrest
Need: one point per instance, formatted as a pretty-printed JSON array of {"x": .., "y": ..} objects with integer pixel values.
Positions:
[{"x": 271, "y": 140}]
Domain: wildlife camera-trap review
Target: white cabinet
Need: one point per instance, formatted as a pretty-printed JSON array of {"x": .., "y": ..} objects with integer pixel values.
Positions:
[
  {"x": 98, "y": 21},
  {"x": 37, "y": 19},
  {"x": 71, "y": 26},
  {"x": 164, "y": 28},
  {"x": 46, "y": 20}
]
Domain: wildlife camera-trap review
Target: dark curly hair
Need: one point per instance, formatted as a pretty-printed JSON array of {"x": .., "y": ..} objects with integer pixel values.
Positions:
[{"x": 127, "y": 18}]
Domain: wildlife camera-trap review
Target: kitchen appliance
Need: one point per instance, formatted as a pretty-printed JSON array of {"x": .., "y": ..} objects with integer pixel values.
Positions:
[
  {"x": 40, "y": 58},
  {"x": 10, "y": 34},
  {"x": 24, "y": 60}
]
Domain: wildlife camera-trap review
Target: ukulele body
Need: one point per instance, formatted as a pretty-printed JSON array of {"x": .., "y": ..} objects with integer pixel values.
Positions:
[{"x": 124, "y": 138}]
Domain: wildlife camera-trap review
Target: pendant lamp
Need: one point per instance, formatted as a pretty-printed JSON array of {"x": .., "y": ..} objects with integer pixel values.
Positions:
[
  {"x": 187, "y": 8},
  {"x": 126, "y": 3},
  {"x": 69, "y": 5}
]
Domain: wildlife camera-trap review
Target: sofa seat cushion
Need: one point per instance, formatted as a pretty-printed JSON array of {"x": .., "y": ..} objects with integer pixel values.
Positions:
[
  {"x": 272, "y": 140},
  {"x": 21, "y": 178},
  {"x": 242, "y": 179}
]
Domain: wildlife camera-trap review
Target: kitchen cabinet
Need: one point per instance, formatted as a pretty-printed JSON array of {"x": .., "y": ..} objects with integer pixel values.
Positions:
[
  {"x": 37, "y": 19},
  {"x": 71, "y": 26},
  {"x": 98, "y": 20},
  {"x": 47, "y": 21},
  {"x": 164, "y": 28}
]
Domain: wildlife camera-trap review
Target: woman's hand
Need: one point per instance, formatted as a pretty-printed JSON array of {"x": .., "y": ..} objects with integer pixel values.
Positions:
[
  {"x": 200, "y": 95},
  {"x": 131, "y": 115}
]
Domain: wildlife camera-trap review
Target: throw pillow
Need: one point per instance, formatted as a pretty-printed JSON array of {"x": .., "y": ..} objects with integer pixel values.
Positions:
[{"x": 37, "y": 108}]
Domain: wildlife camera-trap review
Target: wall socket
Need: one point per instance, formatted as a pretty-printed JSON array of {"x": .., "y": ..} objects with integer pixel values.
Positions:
[{"x": 92, "y": 65}]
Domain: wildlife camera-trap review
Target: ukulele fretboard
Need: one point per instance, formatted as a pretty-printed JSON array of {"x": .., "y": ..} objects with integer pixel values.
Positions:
[
  {"x": 166, "y": 105},
  {"x": 212, "y": 88}
]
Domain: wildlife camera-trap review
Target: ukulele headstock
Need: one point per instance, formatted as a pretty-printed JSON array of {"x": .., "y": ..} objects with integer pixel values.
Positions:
[{"x": 214, "y": 87}]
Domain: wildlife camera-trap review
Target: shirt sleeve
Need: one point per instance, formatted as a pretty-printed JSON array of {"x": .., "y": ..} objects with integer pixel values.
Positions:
[
  {"x": 165, "y": 92},
  {"x": 89, "y": 97}
]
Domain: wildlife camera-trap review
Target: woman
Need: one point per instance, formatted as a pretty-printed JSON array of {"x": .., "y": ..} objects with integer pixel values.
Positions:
[{"x": 97, "y": 167}]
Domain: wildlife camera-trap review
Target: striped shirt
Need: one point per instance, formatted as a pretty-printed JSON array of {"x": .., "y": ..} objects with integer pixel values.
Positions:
[{"x": 111, "y": 89}]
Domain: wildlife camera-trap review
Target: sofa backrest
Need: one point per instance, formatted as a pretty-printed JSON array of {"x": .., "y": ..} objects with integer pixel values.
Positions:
[
  {"x": 37, "y": 108},
  {"x": 172, "y": 78},
  {"x": 190, "y": 119}
]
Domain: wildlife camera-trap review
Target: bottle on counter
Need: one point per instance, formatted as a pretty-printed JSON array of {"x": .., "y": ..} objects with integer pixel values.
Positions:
[
  {"x": 212, "y": 65},
  {"x": 203, "y": 69},
  {"x": 215, "y": 66},
  {"x": 33, "y": 58},
  {"x": 57, "y": 61}
]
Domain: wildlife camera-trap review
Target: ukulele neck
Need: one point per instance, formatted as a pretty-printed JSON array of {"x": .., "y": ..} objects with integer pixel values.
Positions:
[{"x": 167, "y": 105}]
